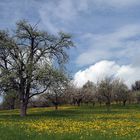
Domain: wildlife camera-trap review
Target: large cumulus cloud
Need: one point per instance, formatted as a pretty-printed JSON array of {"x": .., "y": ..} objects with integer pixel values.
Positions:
[{"x": 128, "y": 73}]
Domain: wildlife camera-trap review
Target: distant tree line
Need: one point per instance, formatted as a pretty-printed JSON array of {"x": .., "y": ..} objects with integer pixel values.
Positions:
[{"x": 105, "y": 92}]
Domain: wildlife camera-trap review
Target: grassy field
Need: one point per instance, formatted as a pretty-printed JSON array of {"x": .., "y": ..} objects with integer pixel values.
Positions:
[{"x": 72, "y": 123}]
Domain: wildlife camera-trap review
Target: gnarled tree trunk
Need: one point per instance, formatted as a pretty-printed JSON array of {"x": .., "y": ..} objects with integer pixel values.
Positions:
[
  {"x": 124, "y": 102},
  {"x": 56, "y": 106},
  {"x": 23, "y": 108}
]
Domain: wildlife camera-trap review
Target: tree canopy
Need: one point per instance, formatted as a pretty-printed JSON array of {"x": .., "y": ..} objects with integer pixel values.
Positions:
[{"x": 28, "y": 59}]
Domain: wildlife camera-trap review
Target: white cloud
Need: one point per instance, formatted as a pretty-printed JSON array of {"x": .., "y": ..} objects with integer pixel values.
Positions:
[
  {"x": 95, "y": 72},
  {"x": 119, "y": 44}
]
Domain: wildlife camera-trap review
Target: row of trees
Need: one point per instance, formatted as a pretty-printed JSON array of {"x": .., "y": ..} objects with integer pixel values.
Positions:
[{"x": 105, "y": 92}]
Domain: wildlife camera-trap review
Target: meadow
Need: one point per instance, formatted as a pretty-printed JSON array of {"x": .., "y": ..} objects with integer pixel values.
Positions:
[{"x": 72, "y": 123}]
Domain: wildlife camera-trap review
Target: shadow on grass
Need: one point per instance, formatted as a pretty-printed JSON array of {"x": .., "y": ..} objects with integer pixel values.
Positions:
[
  {"x": 58, "y": 113},
  {"x": 36, "y": 115},
  {"x": 73, "y": 112}
]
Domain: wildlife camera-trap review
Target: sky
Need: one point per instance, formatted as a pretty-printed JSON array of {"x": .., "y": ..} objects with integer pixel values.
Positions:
[{"x": 106, "y": 33}]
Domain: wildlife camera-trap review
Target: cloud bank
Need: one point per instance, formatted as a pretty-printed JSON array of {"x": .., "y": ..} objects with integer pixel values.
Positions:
[{"x": 104, "y": 68}]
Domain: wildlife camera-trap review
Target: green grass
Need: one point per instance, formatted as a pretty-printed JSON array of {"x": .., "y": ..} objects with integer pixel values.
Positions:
[{"x": 72, "y": 123}]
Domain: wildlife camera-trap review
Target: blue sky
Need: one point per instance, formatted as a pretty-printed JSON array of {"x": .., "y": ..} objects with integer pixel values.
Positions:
[{"x": 106, "y": 33}]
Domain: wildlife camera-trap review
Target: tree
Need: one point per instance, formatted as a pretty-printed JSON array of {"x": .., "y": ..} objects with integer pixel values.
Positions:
[
  {"x": 10, "y": 99},
  {"x": 77, "y": 96},
  {"x": 136, "y": 86},
  {"x": 56, "y": 92},
  {"x": 136, "y": 90},
  {"x": 27, "y": 60},
  {"x": 89, "y": 92},
  {"x": 74, "y": 94},
  {"x": 70, "y": 92},
  {"x": 105, "y": 90},
  {"x": 137, "y": 96},
  {"x": 120, "y": 91}
]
